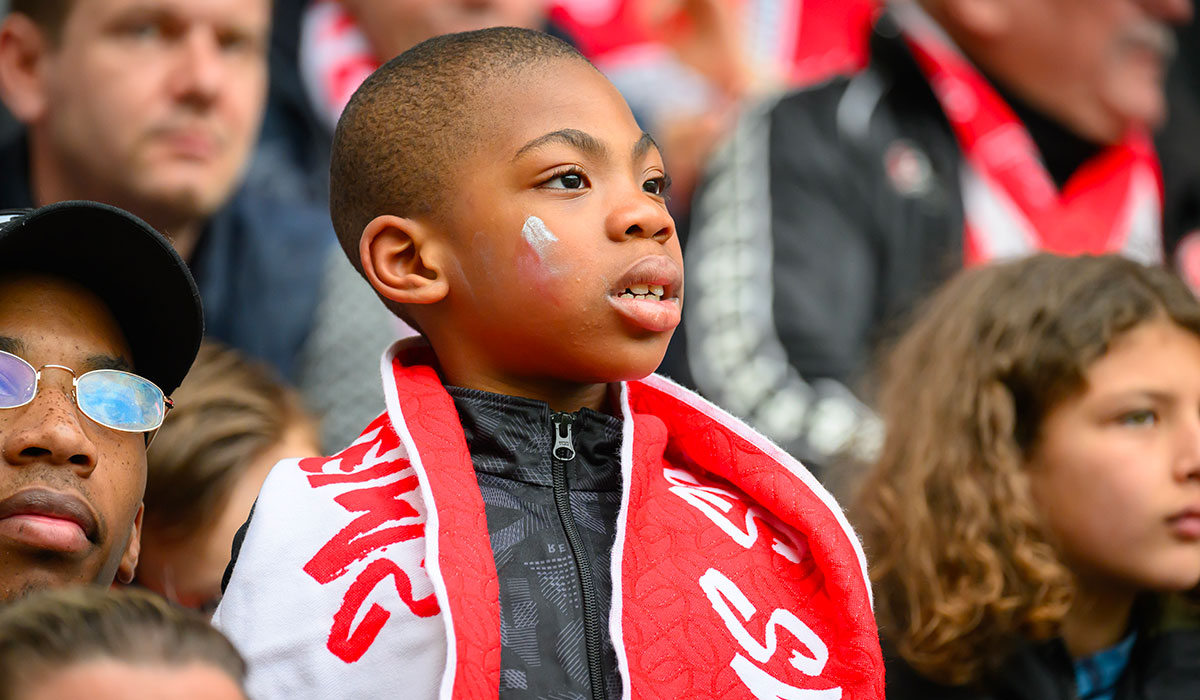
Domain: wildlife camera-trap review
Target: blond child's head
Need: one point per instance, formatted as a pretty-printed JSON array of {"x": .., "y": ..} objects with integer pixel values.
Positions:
[{"x": 497, "y": 193}]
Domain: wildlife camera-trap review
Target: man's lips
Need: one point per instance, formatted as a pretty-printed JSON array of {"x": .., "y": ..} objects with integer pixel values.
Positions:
[
  {"x": 190, "y": 141},
  {"x": 47, "y": 519}
]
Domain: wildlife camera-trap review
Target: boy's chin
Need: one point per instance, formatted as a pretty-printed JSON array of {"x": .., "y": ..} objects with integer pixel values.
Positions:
[{"x": 635, "y": 366}]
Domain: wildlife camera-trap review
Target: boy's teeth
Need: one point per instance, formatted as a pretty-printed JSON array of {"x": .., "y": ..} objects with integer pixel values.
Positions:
[{"x": 644, "y": 292}]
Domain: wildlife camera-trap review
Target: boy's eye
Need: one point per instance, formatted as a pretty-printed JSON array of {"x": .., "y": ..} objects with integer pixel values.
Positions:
[
  {"x": 657, "y": 186},
  {"x": 567, "y": 181}
]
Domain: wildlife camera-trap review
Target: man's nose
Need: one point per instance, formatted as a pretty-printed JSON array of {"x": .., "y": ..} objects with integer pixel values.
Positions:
[
  {"x": 200, "y": 67},
  {"x": 49, "y": 430}
]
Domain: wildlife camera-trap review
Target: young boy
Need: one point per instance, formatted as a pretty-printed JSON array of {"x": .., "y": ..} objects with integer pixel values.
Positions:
[{"x": 530, "y": 517}]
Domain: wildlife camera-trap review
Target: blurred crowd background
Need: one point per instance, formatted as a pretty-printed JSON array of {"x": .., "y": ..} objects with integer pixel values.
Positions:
[{"x": 821, "y": 185}]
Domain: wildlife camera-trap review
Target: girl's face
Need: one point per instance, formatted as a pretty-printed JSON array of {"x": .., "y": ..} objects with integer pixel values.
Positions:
[{"x": 1116, "y": 471}]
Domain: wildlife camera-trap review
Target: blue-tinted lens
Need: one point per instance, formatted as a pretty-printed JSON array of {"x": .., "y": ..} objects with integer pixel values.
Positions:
[
  {"x": 120, "y": 400},
  {"x": 18, "y": 381}
]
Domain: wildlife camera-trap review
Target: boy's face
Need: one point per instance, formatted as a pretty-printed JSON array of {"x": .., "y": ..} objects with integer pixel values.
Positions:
[{"x": 555, "y": 219}]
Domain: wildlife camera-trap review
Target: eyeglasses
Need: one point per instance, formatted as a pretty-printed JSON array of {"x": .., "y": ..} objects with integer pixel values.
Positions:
[{"x": 115, "y": 399}]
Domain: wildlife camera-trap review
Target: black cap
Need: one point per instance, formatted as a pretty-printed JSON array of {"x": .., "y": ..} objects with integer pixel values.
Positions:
[{"x": 132, "y": 268}]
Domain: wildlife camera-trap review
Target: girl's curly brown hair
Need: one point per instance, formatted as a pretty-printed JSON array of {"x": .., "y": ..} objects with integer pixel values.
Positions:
[{"x": 961, "y": 564}]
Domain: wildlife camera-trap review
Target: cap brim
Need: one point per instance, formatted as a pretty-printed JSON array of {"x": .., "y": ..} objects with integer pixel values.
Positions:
[{"x": 129, "y": 265}]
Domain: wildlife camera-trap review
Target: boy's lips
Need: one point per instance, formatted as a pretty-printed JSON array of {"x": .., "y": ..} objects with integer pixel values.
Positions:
[
  {"x": 46, "y": 519},
  {"x": 649, "y": 293}
]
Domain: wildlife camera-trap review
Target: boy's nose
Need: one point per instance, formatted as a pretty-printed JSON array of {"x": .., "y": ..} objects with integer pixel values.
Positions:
[{"x": 641, "y": 217}]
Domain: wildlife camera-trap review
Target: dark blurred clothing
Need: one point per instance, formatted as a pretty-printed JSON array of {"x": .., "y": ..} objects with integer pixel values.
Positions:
[
  {"x": 291, "y": 160},
  {"x": 258, "y": 264},
  {"x": 259, "y": 267},
  {"x": 1178, "y": 144},
  {"x": 1163, "y": 665},
  {"x": 828, "y": 214}
]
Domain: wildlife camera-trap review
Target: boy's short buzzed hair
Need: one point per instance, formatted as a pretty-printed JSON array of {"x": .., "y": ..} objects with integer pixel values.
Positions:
[{"x": 406, "y": 125}]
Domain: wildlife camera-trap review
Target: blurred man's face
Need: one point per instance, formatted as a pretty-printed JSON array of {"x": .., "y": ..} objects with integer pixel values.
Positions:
[
  {"x": 154, "y": 105},
  {"x": 393, "y": 26},
  {"x": 1097, "y": 66}
]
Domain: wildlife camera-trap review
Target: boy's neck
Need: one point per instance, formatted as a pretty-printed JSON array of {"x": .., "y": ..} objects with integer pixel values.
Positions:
[
  {"x": 566, "y": 397},
  {"x": 1098, "y": 619}
]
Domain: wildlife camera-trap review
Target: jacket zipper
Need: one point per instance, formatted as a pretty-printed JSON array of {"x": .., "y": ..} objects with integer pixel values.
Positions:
[{"x": 562, "y": 453}]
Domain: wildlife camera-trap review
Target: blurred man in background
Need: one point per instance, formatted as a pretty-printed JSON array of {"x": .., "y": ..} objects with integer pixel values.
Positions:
[
  {"x": 154, "y": 106},
  {"x": 979, "y": 130}
]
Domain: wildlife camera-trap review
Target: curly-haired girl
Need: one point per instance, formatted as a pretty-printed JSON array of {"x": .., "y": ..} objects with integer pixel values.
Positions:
[{"x": 1037, "y": 502}]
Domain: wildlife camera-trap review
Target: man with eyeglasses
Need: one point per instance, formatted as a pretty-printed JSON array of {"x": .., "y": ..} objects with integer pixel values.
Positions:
[{"x": 99, "y": 321}]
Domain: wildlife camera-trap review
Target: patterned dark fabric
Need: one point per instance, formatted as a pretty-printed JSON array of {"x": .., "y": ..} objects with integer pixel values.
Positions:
[{"x": 543, "y": 650}]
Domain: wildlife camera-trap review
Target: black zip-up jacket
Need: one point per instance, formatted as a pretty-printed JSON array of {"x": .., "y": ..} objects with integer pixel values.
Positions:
[
  {"x": 823, "y": 220},
  {"x": 551, "y": 486}
]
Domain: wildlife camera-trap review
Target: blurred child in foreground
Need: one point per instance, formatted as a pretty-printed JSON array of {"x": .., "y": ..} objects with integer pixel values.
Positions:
[
  {"x": 234, "y": 419},
  {"x": 1036, "y": 508},
  {"x": 100, "y": 644}
]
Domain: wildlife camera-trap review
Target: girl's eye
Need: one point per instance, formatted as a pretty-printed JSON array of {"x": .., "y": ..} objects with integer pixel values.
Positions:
[
  {"x": 657, "y": 186},
  {"x": 567, "y": 181},
  {"x": 1140, "y": 417}
]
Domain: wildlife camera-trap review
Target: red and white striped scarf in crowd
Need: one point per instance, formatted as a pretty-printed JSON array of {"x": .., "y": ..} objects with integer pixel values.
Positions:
[
  {"x": 1112, "y": 204},
  {"x": 370, "y": 573},
  {"x": 335, "y": 58}
]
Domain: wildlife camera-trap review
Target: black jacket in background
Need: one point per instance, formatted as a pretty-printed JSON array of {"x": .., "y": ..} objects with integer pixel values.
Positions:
[{"x": 825, "y": 218}]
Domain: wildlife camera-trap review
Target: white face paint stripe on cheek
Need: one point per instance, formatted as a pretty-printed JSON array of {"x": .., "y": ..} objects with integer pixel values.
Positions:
[{"x": 537, "y": 235}]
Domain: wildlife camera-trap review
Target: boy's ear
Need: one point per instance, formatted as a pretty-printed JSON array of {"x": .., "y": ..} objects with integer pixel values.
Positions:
[
  {"x": 400, "y": 259},
  {"x": 24, "y": 48}
]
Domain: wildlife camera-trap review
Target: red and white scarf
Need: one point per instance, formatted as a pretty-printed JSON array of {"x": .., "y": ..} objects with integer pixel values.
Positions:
[
  {"x": 370, "y": 574},
  {"x": 1013, "y": 207},
  {"x": 335, "y": 58}
]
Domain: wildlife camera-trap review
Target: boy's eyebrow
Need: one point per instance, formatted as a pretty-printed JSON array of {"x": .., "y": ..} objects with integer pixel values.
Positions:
[
  {"x": 580, "y": 140},
  {"x": 643, "y": 146}
]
